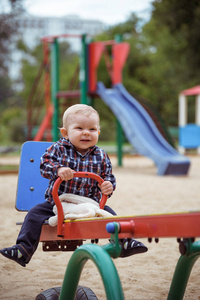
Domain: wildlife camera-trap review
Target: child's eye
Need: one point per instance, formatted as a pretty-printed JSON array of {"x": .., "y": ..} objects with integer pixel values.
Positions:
[{"x": 78, "y": 128}]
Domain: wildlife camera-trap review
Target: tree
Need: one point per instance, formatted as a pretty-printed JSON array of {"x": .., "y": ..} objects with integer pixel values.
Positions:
[
  {"x": 7, "y": 29},
  {"x": 8, "y": 99},
  {"x": 182, "y": 18},
  {"x": 8, "y": 10},
  {"x": 172, "y": 38}
]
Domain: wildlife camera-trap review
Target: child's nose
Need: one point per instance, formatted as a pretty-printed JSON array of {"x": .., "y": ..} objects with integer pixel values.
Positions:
[{"x": 86, "y": 132}]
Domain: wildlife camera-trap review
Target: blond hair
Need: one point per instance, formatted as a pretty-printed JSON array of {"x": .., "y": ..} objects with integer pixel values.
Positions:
[{"x": 81, "y": 109}]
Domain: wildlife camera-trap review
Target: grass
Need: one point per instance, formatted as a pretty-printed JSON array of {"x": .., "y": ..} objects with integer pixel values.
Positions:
[{"x": 9, "y": 167}]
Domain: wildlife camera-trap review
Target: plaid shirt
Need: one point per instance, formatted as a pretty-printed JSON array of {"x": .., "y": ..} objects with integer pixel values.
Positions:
[{"x": 63, "y": 154}]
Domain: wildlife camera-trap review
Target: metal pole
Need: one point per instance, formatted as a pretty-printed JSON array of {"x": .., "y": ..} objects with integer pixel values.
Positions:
[
  {"x": 118, "y": 39},
  {"x": 55, "y": 87},
  {"x": 83, "y": 71}
]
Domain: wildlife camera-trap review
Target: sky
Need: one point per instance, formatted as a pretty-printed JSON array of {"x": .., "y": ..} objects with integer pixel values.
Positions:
[{"x": 108, "y": 11}]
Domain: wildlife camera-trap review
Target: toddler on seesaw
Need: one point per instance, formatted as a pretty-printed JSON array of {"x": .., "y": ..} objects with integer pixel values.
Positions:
[{"x": 75, "y": 151}]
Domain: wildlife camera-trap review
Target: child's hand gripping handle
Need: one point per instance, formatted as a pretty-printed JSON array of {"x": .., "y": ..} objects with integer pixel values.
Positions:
[{"x": 58, "y": 203}]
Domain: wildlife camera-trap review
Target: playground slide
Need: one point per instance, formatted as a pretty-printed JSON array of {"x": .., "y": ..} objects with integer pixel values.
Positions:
[{"x": 141, "y": 131}]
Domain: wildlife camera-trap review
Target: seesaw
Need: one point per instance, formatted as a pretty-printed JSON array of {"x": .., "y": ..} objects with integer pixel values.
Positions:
[
  {"x": 183, "y": 226},
  {"x": 69, "y": 235}
]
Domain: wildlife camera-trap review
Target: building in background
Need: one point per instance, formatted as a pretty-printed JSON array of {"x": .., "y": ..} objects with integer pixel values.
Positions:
[{"x": 31, "y": 29}]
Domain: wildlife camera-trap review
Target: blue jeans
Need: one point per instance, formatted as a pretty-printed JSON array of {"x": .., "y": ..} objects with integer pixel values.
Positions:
[{"x": 29, "y": 234}]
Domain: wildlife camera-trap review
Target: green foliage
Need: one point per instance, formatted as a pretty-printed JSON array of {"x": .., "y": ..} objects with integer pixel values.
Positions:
[
  {"x": 107, "y": 121},
  {"x": 22, "y": 47},
  {"x": 31, "y": 62},
  {"x": 8, "y": 29},
  {"x": 12, "y": 125},
  {"x": 5, "y": 89},
  {"x": 172, "y": 56},
  {"x": 182, "y": 18},
  {"x": 68, "y": 63}
]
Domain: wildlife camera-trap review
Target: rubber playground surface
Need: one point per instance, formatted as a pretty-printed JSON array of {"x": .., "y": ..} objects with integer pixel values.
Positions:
[{"x": 144, "y": 276}]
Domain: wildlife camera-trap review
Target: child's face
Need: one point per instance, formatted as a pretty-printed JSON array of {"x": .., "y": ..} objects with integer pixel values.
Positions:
[{"x": 83, "y": 131}]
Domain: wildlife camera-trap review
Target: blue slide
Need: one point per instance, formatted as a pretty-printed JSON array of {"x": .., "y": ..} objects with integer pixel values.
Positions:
[{"x": 141, "y": 131}]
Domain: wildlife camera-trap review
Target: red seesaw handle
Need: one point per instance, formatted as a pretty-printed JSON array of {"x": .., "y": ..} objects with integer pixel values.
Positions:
[{"x": 58, "y": 203}]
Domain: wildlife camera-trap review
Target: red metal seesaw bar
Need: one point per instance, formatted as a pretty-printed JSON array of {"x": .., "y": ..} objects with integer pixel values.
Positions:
[{"x": 178, "y": 225}]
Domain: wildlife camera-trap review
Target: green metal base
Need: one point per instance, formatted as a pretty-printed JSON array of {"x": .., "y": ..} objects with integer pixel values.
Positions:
[
  {"x": 101, "y": 256},
  {"x": 105, "y": 266},
  {"x": 183, "y": 269}
]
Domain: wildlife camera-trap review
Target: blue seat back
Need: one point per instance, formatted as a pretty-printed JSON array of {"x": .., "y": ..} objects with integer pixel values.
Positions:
[{"x": 31, "y": 185}]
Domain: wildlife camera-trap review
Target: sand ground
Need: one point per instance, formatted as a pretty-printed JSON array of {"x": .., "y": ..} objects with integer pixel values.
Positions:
[{"x": 146, "y": 276}]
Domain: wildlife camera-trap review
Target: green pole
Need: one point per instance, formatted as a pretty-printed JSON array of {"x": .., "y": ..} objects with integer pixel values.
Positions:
[
  {"x": 83, "y": 71},
  {"x": 118, "y": 39},
  {"x": 183, "y": 269},
  {"x": 101, "y": 256},
  {"x": 104, "y": 264},
  {"x": 119, "y": 143},
  {"x": 55, "y": 87}
]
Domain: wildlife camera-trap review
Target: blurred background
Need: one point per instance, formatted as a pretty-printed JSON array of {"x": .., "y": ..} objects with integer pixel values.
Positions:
[{"x": 164, "y": 58}]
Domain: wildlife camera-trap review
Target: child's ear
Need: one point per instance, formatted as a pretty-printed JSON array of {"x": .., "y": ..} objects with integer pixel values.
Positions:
[
  {"x": 63, "y": 131},
  {"x": 99, "y": 132}
]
